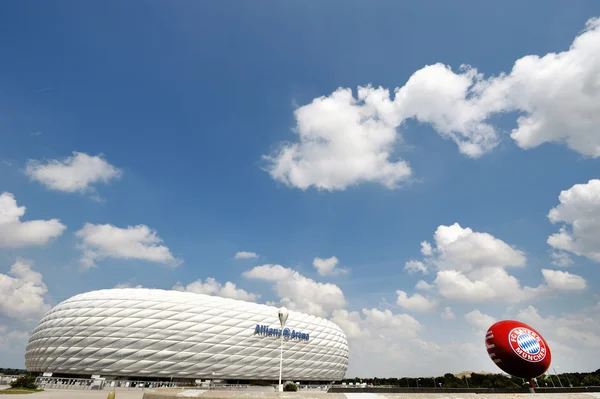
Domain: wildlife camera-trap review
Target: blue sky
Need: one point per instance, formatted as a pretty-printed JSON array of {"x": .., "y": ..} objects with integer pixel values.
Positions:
[{"x": 186, "y": 99}]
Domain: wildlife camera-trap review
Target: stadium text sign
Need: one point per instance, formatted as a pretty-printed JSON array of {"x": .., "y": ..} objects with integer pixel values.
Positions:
[{"x": 276, "y": 332}]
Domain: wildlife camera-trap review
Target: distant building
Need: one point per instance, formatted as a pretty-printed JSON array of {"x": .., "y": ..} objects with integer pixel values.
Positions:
[
  {"x": 467, "y": 374},
  {"x": 133, "y": 333}
]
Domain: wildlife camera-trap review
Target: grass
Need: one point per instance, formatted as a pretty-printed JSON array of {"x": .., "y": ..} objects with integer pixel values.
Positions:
[{"x": 18, "y": 391}]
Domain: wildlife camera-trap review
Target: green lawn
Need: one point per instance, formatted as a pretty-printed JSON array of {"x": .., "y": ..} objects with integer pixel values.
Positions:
[{"x": 18, "y": 391}]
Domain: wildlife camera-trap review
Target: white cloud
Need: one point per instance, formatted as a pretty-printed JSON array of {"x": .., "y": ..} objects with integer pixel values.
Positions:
[
  {"x": 345, "y": 139},
  {"x": 560, "y": 95},
  {"x": 213, "y": 287},
  {"x": 480, "y": 321},
  {"x": 22, "y": 292},
  {"x": 563, "y": 281},
  {"x": 424, "y": 285},
  {"x": 464, "y": 250},
  {"x": 270, "y": 273},
  {"x": 413, "y": 266},
  {"x": 73, "y": 174},
  {"x": 578, "y": 213},
  {"x": 328, "y": 267},
  {"x": 448, "y": 314},
  {"x": 573, "y": 337},
  {"x": 15, "y": 234},
  {"x": 374, "y": 324},
  {"x": 471, "y": 267},
  {"x": 99, "y": 241},
  {"x": 561, "y": 259},
  {"x": 416, "y": 302},
  {"x": 128, "y": 285},
  {"x": 426, "y": 248},
  {"x": 387, "y": 344},
  {"x": 245, "y": 255},
  {"x": 298, "y": 292}
]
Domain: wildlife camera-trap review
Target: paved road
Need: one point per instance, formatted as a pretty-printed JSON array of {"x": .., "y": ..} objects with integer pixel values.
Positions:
[
  {"x": 134, "y": 394},
  {"x": 76, "y": 394}
]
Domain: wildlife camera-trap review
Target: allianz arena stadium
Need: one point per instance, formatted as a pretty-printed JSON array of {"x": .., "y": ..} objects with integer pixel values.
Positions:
[{"x": 151, "y": 333}]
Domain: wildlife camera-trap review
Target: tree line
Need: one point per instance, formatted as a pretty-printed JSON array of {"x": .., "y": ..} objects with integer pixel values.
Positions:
[
  {"x": 449, "y": 380},
  {"x": 483, "y": 381},
  {"x": 5, "y": 371}
]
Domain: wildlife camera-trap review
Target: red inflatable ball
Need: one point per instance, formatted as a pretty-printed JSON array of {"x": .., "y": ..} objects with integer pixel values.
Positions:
[{"x": 518, "y": 349}]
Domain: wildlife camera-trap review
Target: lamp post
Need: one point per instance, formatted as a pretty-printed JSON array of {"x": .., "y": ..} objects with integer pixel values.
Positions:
[
  {"x": 551, "y": 379},
  {"x": 557, "y": 377},
  {"x": 283, "y": 315}
]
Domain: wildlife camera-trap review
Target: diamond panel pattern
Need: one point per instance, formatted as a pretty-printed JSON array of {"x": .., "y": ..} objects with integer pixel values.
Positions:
[{"x": 150, "y": 332}]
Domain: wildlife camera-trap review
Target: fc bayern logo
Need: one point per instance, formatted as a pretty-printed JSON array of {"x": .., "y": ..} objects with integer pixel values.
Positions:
[{"x": 527, "y": 344}]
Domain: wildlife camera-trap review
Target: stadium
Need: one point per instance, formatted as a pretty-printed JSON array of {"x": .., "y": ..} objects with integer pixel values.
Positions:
[{"x": 160, "y": 334}]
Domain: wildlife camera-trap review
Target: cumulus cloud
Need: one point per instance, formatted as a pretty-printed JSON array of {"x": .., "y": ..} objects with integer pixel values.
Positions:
[
  {"x": 416, "y": 302},
  {"x": 99, "y": 241},
  {"x": 213, "y": 287},
  {"x": 246, "y": 255},
  {"x": 472, "y": 267},
  {"x": 22, "y": 291},
  {"x": 128, "y": 285},
  {"x": 563, "y": 281},
  {"x": 342, "y": 141},
  {"x": 328, "y": 267},
  {"x": 448, "y": 314},
  {"x": 424, "y": 285},
  {"x": 346, "y": 139},
  {"x": 15, "y": 233},
  {"x": 375, "y": 323},
  {"x": 580, "y": 225},
  {"x": 413, "y": 266},
  {"x": 561, "y": 259},
  {"x": 72, "y": 174},
  {"x": 462, "y": 249},
  {"x": 574, "y": 337},
  {"x": 480, "y": 321},
  {"x": 384, "y": 343},
  {"x": 298, "y": 292}
]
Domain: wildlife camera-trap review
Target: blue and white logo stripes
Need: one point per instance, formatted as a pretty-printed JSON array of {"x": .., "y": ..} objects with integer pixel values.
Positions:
[{"x": 528, "y": 343}]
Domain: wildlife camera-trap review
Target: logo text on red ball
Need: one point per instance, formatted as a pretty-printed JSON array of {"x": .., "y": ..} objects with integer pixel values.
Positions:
[{"x": 527, "y": 344}]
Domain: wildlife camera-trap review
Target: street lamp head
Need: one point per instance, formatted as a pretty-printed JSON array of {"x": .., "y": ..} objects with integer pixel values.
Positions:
[{"x": 283, "y": 315}]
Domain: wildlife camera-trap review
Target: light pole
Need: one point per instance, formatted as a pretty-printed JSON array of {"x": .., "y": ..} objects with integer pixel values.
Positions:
[
  {"x": 283, "y": 315},
  {"x": 557, "y": 377},
  {"x": 569, "y": 381},
  {"x": 552, "y": 379}
]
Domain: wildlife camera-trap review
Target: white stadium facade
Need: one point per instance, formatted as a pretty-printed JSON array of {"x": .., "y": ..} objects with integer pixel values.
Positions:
[{"x": 162, "y": 334}]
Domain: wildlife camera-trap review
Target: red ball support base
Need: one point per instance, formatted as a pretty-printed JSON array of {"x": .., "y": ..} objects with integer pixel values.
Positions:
[{"x": 531, "y": 386}]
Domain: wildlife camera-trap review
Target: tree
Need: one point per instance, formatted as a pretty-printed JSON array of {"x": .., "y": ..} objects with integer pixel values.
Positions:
[
  {"x": 290, "y": 387},
  {"x": 591, "y": 380},
  {"x": 26, "y": 381}
]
